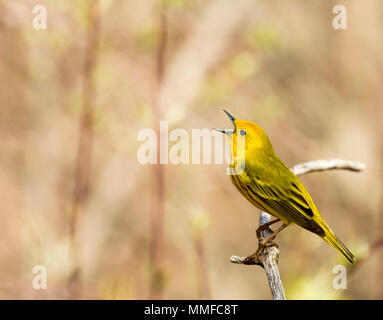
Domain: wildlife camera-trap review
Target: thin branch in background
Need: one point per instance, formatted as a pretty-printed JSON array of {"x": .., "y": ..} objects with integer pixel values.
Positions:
[
  {"x": 158, "y": 204},
  {"x": 268, "y": 259},
  {"x": 204, "y": 291},
  {"x": 85, "y": 139},
  {"x": 199, "y": 223}
]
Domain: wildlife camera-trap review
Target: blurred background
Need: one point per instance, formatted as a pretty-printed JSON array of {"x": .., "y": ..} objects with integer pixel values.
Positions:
[{"x": 74, "y": 96}]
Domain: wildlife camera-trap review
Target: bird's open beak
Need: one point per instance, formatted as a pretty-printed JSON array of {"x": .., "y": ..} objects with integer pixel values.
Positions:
[
  {"x": 221, "y": 130},
  {"x": 227, "y": 131},
  {"x": 230, "y": 117}
]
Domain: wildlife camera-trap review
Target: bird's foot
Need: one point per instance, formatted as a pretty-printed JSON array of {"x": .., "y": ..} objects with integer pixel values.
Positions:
[
  {"x": 253, "y": 259},
  {"x": 265, "y": 226},
  {"x": 263, "y": 243},
  {"x": 267, "y": 243}
]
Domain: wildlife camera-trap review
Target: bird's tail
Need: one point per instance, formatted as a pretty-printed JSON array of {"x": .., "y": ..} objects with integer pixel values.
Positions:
[{"x": 332, "y": 239}]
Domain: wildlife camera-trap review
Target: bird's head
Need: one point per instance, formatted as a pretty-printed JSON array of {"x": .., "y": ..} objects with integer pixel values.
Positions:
[{"x": 253, "y": 136}]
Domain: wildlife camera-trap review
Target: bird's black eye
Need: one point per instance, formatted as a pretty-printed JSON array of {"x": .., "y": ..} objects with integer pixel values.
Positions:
[{"x": 242, "y": 132}]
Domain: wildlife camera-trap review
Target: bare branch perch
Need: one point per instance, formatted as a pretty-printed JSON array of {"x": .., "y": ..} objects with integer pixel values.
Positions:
[
  {"x": 325, "y": 165},
  {"x": 268, "y": 259}
]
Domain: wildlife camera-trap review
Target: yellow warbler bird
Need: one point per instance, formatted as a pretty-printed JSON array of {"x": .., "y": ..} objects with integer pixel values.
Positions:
[{"x": 271, "y": 186}]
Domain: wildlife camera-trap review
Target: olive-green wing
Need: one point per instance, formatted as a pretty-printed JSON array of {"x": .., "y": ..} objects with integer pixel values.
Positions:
[{"x": 288, "y": 201}]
